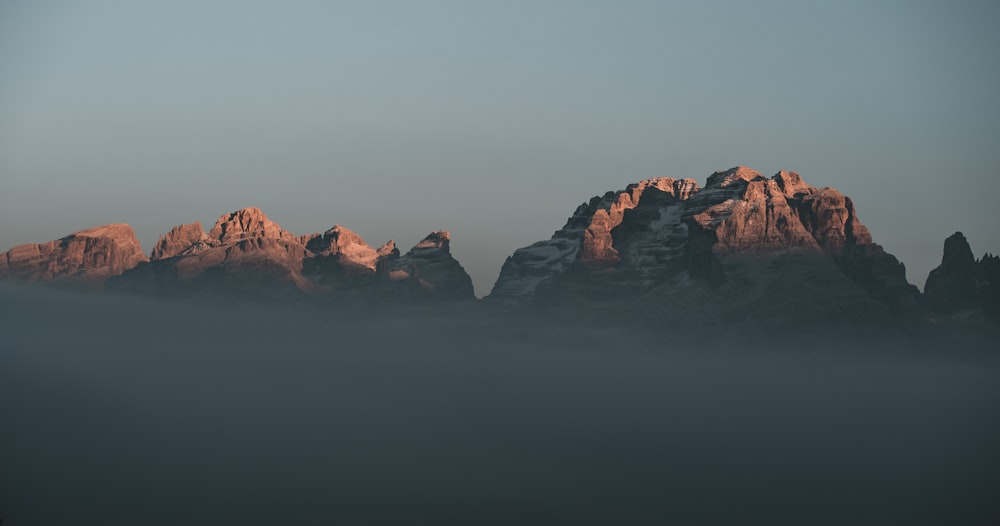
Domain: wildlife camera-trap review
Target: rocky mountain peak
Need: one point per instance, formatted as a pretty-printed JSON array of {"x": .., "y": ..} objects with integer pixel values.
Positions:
[
  {"x": 724, "y": 178},
  {"x": 179, "y": 239},
  {"x": 82, "y": 259},
  {"x": 665, "y": 184},
  {"x": 629, "y": 198},
  {"x": 435, "y": 240},
  {"x": 246, "y": 223},
  {"x": 791, "y": 184},
  {"x": 685, "y": 188},
  {"x": 961, "y": 287},
  {"x": 665, "y": 237},
  {"x": 342, "y": 241},
  {"x": 603, "y": 214},
  {"x": 957, "y": 252},
  {"x": 388, "y": 249},
  {"x": 334, "y": 240},
  {"x": 428, "y": 270},
  {"x": 248, "y": 255}
]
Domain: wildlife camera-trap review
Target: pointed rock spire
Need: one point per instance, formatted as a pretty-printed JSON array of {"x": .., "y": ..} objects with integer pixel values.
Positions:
[
  {"x": 952, "y": 285},
  {"x": 957, "y": 252}
]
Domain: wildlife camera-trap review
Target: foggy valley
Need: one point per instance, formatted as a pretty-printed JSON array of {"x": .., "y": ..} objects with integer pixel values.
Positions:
[{"x": 120, "y": 410}]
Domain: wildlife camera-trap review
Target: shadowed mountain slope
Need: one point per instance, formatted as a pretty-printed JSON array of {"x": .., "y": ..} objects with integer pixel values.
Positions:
[{"x": 962, "y": 287}]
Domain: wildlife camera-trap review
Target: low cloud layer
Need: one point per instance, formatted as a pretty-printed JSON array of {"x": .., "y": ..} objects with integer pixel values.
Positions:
[{"x": 126, "y": 411}]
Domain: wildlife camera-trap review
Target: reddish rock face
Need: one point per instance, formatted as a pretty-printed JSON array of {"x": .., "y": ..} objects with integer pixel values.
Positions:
[
  {"x": 246, "y": 223},
  {"x": 605, "y": 214},
  {"x": 179, "y": 239},
  {"x": 340, "y": 241},
  {"x": 748, "y": 213},
  {"x": 759, "y": 220},
  {"x": 340, "y": 263},
  {"x": 245, "y": 254},
  {"x": 743, "y": 213},
  {"x": 248, "y": 255},
  {"x": 84, "y": 259},
  {"x": 659, "y": 237}
]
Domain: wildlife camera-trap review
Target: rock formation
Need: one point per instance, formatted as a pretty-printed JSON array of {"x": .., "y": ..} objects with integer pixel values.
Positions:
[
  {"x": 586, "y": 240},
  {"x": 962, "y": 287},
  {"x": 85, "y": 259},
  {"x": 179, "y": 239},
  {"x": 342, "y": 259},
  {"x": 247, "y": 223},
  {"x": 428, "y": 270},
  {"x": 745, "y": 244},
  {"x": 744, "y": 248},
  {"x": 245, "y": 254}
]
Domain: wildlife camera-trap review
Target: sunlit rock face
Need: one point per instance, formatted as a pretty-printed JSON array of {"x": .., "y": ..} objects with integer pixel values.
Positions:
[
  {"x": 245, "y": 254},
  {"x": 84, "y": 259},
  {"x": 962, "y": 287},
  {"x": 755, "y": 247},
  {"x": 340, "y": 263},
  {"x": 587, "y": 240},
  {"x": 247, "y": 223},
  {"x": 180, "y": 239}
]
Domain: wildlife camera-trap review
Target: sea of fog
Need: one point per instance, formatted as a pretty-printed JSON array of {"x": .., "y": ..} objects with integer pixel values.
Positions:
[{"x": 118, "y": 411}]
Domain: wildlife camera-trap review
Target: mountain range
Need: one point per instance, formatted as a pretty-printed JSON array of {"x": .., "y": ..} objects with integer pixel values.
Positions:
[{"x": 743, "y": 248}]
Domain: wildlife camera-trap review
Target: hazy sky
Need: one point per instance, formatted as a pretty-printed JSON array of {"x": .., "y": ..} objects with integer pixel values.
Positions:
[{"x": 493, "y": 120}]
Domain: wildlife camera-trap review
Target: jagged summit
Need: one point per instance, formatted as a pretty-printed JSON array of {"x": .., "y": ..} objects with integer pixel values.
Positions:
[
  {"x": 244, "y": 223},
  {"x": 341, "y": 241},
  {"x": 247, "y": 254},
  {"x": 179, "y": 239},
  {"x": 724, "y": 178},
  {"x": 744, "y": 247},
  {"x": 435, "y": 240},
  {"x": 740, "y": 239},
  {"x": 791, "y": 183},
  {"x": 387, "y": 248}
]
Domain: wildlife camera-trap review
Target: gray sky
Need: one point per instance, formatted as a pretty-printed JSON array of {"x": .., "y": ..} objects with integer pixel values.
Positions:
[{"x": 493, "y": 120}]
